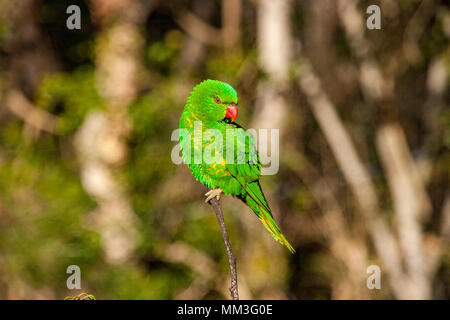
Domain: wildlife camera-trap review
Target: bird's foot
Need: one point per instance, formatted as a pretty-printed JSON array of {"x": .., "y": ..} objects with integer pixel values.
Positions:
[{"x": 214, "y": 193}]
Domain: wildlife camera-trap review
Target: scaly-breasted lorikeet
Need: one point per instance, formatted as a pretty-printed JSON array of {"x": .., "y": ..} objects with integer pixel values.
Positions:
[{"x": 208, "y": 117}]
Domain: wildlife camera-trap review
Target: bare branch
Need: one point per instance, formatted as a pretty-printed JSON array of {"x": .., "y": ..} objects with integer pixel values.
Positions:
[
  {"x": 351, "y": 251},
  {"x": 231, "y": 17},
  {"x": 415, "y": 28},
  {"x": 231, "y": 259},
  {"x": 445, "y": 217},
  {"x": 410, "y": 201},
  {"x": 37, "y": 118},
  {"x": 356, "y": 175},
  {"x": 198, "y": 29}
]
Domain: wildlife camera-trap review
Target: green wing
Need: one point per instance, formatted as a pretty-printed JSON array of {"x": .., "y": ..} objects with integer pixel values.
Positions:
[
  {"x": 246, "y": 166},
  {"x": 246, "y": 169}
]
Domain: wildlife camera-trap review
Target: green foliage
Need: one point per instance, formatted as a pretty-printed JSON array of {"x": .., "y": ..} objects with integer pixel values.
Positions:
[
  {"x": 70, "y": 96},
  {"x": 45, "y": 207},
  {"x": 162, "y": 54},
  {"x": 82, "y": 296},
  {"x": 122, "y": 282}
]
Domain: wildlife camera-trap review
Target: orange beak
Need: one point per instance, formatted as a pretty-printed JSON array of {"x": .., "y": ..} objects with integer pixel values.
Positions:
[{"x": 232, "y": 112}]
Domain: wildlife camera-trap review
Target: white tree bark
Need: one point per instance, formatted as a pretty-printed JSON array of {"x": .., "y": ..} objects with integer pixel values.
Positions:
[
  {"x": 410, "y": 201},
  {"x": 274, "y": 52},
  {"x": 101, "y": 140}
]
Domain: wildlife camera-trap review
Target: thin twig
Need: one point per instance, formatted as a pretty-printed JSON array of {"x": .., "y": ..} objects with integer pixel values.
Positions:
[
  {"x": 28, "y": 112},
  {"x": 231, "y": 259},
  {"x": 199, "y": 29},
  {"x": 356, "y": 175}
]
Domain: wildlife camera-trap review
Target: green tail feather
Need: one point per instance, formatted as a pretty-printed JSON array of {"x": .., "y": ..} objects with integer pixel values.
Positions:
[{"x": 256, "y": 201}]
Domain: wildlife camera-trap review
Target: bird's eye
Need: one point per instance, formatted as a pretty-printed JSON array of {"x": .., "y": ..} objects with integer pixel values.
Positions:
[{"x": 217, "y": 100}]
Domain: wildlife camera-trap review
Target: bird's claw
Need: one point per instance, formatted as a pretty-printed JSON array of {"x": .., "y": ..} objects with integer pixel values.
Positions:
[{"x": 214, "y": 193}]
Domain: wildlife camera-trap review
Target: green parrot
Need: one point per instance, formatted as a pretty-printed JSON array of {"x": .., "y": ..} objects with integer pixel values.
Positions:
[{"x": 220, "y": 153}]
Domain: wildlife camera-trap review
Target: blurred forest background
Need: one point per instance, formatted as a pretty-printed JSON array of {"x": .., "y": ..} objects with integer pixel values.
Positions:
[{"x": 86, "y": 176}]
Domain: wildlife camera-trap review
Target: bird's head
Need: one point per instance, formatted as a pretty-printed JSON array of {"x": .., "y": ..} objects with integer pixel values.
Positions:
[{"x": 213, "y": 100}]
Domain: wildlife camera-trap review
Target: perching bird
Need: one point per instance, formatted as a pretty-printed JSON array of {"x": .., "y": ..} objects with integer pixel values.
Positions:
[{"x": 208, "y": 116}]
